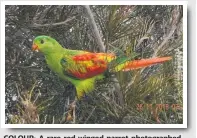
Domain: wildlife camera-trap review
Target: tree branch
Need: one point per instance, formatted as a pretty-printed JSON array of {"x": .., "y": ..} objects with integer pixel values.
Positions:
[
  {"x": 102, "y": 48},
  {"x": 95, "y": 29}
]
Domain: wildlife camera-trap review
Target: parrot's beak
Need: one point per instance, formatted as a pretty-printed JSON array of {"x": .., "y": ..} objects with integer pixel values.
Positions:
[{"x": 35, "y": 47}]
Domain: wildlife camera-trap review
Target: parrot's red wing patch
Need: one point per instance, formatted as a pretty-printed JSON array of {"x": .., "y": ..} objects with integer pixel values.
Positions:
[
  {"x": 91, "y": 72},
  {"x": 91, "y": 64},
  {"x": 84, "y": 57}
]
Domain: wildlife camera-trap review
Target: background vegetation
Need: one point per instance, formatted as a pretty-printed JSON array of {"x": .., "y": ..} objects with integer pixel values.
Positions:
[{"x": 34, "y": 94}]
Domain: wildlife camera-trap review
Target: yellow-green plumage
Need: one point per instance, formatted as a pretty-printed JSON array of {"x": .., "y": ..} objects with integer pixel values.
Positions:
[{"x": 83, "y": 68}]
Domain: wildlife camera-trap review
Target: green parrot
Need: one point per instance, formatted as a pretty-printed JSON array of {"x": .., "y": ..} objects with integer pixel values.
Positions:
[{"x": 83, "y": 68}]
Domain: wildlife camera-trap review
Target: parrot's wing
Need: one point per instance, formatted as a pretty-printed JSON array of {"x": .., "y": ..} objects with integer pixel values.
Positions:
[{"x": 86, "y": 65}]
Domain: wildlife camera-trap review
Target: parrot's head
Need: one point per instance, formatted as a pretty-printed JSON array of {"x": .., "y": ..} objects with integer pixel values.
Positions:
[{"x": 45, "y": 44}]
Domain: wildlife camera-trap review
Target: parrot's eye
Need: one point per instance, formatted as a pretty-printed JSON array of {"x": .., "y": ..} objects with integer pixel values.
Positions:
[{"x": 42, "y": 41}]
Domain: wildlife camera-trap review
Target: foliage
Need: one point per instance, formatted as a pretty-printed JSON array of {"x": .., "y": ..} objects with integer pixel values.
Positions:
[{"x": 135, "y": 31}]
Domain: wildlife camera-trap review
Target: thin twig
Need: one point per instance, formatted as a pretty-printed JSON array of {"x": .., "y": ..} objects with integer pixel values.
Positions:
[
  {"x": 37, "y": 97},
  {"x": 141, "y": 40},
  {"x": 31, "y": 91},
  {"x": 53, "y": 120},
  {"x": 35, "y": 25},
  {"x": 40, "y": 15},
  {"x": 67, "y": 102},
  {"x": 19, "y": 95},
  {"x": 90, "y": 115},
  {"x": 45, "y": 119},
  {"x": 74, "y": 108}
]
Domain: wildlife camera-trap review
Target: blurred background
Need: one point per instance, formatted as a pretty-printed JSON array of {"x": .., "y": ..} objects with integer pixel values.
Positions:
[{"x": 34, "y": 94}]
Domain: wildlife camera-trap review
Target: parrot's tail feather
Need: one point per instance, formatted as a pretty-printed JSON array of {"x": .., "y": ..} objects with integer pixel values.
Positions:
[{"x": 136, "y": 64}]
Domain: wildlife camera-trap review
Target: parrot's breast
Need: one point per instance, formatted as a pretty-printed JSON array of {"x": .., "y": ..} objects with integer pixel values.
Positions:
[{"x": 53, "y": 62}]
